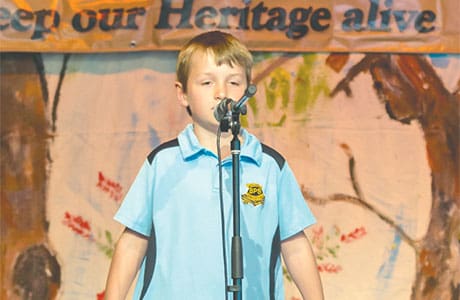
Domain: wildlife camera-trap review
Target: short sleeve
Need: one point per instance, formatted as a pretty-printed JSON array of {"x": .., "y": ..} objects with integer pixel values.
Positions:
[
  {"x": 294, "y": 213},
  {"x": 135, "y": 211}
]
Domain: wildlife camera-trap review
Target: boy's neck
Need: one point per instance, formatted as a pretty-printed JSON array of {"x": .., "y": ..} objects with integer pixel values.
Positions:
[{"x": 208, "y": 140}]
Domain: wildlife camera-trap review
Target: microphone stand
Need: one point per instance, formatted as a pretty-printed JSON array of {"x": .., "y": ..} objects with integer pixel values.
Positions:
[
  {"x": 228, "y": 114},
  {"x": 234, "y": 124}
]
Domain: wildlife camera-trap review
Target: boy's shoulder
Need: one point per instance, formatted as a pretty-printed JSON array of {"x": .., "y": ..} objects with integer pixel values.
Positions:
[
  {"x": 254, "y": 144},
  {"x": 169, "y": 144},
  {"x": 280, "y": 160}
]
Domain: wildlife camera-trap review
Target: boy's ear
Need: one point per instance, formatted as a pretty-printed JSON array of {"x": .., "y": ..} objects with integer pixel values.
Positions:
[{"x": 181, "y": 96}]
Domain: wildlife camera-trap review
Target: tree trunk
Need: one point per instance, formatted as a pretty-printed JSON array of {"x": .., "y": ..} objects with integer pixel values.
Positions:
[
  {"x": 29, "y": 269},
  {"x": 412, "y": 91}
]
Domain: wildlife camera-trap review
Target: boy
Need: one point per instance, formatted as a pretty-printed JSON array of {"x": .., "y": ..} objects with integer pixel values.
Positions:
[{"x": 174, "y": 199}]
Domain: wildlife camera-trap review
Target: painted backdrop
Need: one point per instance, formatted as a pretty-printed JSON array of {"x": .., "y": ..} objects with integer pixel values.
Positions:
[{"x": 372, "y": 139}]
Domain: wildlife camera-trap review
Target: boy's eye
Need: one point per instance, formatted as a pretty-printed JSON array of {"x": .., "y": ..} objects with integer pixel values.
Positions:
[
  {"x": 235, "y": 83},
  {"x": 206, "y": 83}
]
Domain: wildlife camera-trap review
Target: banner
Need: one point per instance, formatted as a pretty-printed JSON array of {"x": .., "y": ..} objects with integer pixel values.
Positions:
[{"x": 422, "y": 26}]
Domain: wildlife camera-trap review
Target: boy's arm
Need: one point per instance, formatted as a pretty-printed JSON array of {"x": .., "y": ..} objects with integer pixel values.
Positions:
[
  {"x": 127, "y": 257},
  {"x": 301, "y": 264}
]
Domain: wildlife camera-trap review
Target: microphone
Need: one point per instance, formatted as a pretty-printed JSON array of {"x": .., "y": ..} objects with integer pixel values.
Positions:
[
  {"x": 250, "y": 91},
  {"x": 222, "y": 108}
]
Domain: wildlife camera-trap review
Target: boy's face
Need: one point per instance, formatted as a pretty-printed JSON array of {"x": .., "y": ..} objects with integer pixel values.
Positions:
[{"x": 207, "y": 85}]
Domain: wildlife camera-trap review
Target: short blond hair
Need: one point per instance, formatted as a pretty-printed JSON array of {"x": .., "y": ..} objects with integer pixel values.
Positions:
[{"x": 226, "y": 49}]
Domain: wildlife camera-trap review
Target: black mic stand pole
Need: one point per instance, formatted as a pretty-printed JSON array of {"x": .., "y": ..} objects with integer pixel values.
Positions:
[
  {"x": 230, "y": 119},
  {"x": 237, "y": 246}
]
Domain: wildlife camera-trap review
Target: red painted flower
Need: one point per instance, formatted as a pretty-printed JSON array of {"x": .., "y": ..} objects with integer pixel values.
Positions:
[
  {"x": 78, "y": 225},
  {"x": 354, "y": 235},
  {"x": 101, "y": 295},
  {"x": 329, "y": 268}
]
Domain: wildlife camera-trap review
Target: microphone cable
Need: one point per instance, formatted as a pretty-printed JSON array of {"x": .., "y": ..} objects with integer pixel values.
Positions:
[{"x": 222, "y": 213}]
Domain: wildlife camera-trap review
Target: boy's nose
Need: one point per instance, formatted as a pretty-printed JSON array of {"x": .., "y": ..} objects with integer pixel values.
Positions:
[{"x": 220, "y": 93}]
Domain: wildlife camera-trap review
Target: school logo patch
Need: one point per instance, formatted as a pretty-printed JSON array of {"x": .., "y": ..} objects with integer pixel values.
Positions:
[{"x": 254, "y": 195}]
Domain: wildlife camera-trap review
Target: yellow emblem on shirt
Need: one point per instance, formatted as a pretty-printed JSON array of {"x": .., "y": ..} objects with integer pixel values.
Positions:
[{"x": 254, "y": 195}]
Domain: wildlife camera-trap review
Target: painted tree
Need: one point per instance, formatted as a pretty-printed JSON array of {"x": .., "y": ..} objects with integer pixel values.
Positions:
[
  {"x": 411, "y": 90},
  {"x": 30, "y": 269}
]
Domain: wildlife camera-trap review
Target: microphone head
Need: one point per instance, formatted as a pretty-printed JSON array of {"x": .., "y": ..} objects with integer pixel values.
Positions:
[
  {"x": 251, "y": 90},
  {"x": 221, "y": 109}
]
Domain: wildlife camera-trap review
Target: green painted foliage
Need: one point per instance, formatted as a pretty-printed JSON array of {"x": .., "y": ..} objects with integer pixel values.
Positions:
[
  {"x": 308, "y": 84},
  {"x": 278, "y": 88}
]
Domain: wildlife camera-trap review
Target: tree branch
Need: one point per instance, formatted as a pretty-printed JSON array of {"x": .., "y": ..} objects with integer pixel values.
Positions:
[
  {"x": 358, "y": 200},
  {"x": 362, "y": 66},
  {"x": 57, "y": 95},
  {"x": 272, "y": 66}
]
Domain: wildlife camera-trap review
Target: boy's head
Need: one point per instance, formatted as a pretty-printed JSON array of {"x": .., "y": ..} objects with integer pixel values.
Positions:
[{"x": 224, "y": 47}]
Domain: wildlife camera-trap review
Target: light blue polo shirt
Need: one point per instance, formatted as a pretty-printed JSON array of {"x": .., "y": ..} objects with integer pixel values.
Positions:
[{"x": 177, "y": 190}]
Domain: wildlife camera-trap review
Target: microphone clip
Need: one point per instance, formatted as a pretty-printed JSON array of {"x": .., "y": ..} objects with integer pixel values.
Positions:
[{"x": 228, "y": 111}]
